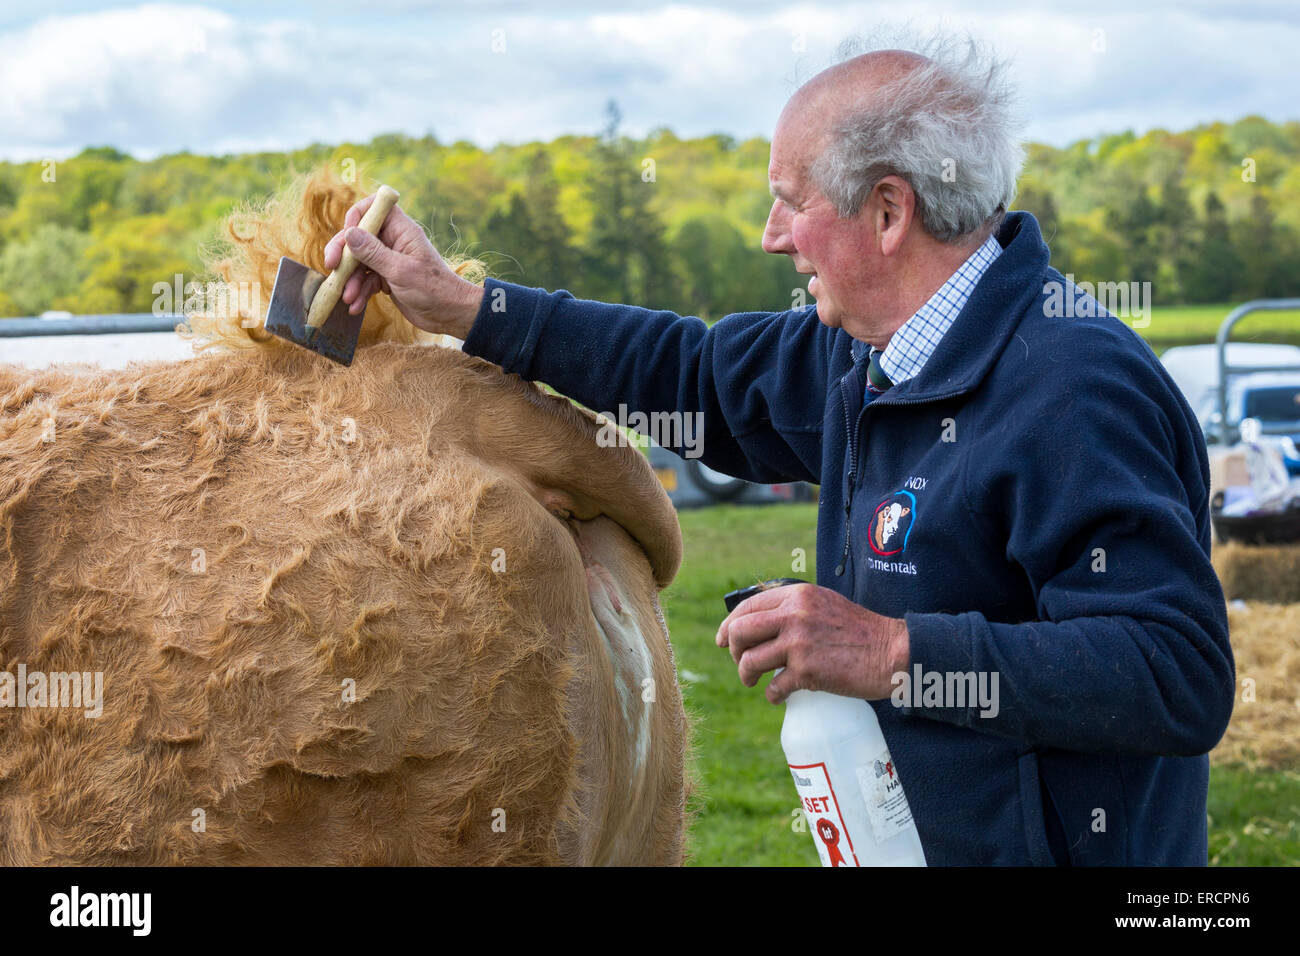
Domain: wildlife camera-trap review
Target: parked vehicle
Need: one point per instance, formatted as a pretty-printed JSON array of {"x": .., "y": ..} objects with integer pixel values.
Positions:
[
  {"x": 1246, "y": 396},
  {"x": 1272, "y": 398},
  {"x": 691, "y": 484}
]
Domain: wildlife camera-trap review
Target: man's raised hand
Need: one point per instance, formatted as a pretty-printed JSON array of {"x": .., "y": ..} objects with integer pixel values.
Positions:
[{"x": 402, "y": 262}]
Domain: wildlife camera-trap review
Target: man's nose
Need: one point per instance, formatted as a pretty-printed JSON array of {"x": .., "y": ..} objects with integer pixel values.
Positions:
[{"x": 776, "y": 235}]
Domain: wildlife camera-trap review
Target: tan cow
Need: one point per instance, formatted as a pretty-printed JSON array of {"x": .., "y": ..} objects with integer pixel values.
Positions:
[{"x": 404, "y": 612}]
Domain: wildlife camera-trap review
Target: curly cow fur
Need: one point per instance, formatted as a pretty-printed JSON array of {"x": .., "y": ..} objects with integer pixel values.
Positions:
[{"x": 403, "y": 612}]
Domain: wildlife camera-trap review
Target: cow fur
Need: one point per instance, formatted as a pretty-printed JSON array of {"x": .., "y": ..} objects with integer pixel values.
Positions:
[{"x": 399, "y": 613}]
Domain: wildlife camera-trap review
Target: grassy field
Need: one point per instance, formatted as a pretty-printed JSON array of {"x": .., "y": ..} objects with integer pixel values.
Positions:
[
  {"x": 745, "y": 803},
  {"x": 1193, "y": 324}
]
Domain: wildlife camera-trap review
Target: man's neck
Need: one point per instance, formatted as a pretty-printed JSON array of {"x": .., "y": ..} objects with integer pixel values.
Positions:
[{"x": 923, "y": 272}]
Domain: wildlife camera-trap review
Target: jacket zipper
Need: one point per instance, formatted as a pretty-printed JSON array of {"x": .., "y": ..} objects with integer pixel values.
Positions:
[
  {"x": 853, "y": 464},
  {"x": 853, "y": 461}
]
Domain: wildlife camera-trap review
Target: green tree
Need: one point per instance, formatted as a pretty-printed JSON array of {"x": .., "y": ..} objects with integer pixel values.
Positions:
[
  {"x": 1133, "y": 220},
  {"x": 1213, "y": 272},
  {"x": 555, "y": 260},
  {"x": 716, "y": 268},
  {"x": 626, "y": 257},
  {"x": 1175, "y": 237},
  {"x": 1040, "y": 203},
  {"x": 39, "y": 271},
  {"x": 125, "y": 262},
  {"x": 509, "y": 241},
  {"x": 577, "y": 213},
  {"x": 531, "y": 231},
  {"x": 1268, "y": 253}
]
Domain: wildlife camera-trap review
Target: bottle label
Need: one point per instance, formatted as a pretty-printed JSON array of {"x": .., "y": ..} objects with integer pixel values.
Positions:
[
  {"x": 822, "y": 809},
  {"x": 886, "y": 806}
]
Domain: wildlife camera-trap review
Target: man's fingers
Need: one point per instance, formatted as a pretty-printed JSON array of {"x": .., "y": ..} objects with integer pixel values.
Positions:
[
  {"x": 782, "y": 686},
  {"x": 762, "y": 601},
  {"x": 352, "y": 287},
  {"x": 760, "y": 659},
  {"x": 359, "y": 288},
  {"x": 369, "y": 286},
  {"x": 334, "y": 252},
  {"x": 370, "y": 283},
  {"x": 334, "y": 248},
  {"x": 371, "y": 251},
  {"x": 358, "y": 210},
  {"x": 397, "y": 227},
  {"x": 752, "y": 629}
]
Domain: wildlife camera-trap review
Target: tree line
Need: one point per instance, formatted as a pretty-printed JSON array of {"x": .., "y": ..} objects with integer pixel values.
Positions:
[{"x": 1208, "y": 215}]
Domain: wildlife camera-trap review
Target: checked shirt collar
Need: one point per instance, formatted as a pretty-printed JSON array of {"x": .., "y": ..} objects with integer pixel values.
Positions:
[{"x": 916, "y": 339}]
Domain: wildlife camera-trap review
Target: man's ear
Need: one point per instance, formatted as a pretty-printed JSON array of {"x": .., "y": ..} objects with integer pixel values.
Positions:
[{"x": 893, "y": 205}]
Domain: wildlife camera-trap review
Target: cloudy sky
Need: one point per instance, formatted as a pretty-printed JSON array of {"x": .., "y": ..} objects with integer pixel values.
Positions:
[{"x": 242, "y": 75}]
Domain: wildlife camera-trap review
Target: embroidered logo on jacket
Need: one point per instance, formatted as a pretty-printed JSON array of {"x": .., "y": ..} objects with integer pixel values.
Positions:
[{"x": 891, "y": 525}]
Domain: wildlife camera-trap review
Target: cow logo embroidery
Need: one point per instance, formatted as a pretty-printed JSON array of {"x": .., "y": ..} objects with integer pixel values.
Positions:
[{"x": 891, "y": 525}]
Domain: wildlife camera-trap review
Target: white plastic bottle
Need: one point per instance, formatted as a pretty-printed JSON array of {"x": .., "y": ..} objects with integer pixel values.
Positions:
[{"x": 848, "y": 785}]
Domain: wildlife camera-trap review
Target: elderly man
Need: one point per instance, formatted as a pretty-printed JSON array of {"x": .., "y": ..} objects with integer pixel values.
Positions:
[{"x": 1004, "y": 492}]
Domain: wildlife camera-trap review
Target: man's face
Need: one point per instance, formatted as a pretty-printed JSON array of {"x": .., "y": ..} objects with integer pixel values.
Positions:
[{"x": 803, "y": 224}]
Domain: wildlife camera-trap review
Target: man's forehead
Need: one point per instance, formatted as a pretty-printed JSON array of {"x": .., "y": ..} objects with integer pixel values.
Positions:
[
  {"x": 801, "y": 132},
  {"x": 785, "y": 172}
]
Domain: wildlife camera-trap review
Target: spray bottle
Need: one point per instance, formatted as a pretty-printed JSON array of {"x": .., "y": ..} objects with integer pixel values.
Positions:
[{"x": 846, "y": 779}]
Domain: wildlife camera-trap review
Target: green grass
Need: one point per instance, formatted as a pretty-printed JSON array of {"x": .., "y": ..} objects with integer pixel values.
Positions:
[
  {"x": 745, "y": 797},
  {"x": 1196, "y": 324},
  {"x": 1254, "y": 817},
  {"x": 743, "y": 807}
]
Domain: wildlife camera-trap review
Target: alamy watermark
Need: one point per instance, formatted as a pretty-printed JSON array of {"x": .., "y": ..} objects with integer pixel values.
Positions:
[
  {"x": 223, "y": 300},
  {"x": 681, "y": 432},
  {"x": 950, "y": 689},
  {"x": 56, "y": 689},
  {"x": 75, "y": 908},
  {"x": 1130, "y": 301}
]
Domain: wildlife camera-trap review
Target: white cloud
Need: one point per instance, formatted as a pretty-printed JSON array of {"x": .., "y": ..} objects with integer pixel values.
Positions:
[{"x": 159, "y": 78}]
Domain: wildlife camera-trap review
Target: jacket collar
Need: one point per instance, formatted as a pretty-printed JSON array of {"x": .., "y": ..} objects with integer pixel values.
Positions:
[{"x": 986, "y": 324}]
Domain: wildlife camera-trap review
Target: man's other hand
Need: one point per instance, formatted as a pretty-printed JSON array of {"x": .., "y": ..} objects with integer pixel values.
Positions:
[
  {"x": 822, "y": 639},
  {"x": 402, "y": 262}
]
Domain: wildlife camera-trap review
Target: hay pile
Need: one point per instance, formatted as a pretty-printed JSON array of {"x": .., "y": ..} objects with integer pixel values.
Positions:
[
  {"x": 1259, "y": 572},
  {"x": 1264, "y": 732}
]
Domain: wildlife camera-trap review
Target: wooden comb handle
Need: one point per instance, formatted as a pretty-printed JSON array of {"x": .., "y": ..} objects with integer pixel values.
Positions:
[{"x": 327, "y": 296}]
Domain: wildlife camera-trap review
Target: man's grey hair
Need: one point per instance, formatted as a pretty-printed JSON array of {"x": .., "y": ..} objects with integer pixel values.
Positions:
[{"x": 946, "y": 126}]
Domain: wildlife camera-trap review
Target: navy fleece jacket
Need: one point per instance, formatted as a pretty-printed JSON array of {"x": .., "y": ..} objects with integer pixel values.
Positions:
[{"x": 1052, "y": 529}]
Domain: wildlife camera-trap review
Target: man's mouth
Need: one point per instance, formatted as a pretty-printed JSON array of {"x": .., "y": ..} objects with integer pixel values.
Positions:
[{"x": 812, "y": 278}]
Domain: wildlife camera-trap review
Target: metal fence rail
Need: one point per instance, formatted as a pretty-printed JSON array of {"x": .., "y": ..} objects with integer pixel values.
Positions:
[
  {"x": 89, "y": 325},
  {"x": 1226, "y": 371}
]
